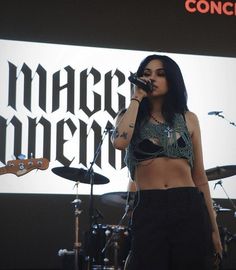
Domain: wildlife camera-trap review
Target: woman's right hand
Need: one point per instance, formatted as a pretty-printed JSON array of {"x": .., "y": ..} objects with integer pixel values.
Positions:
[{"x": 138, "y": 91}]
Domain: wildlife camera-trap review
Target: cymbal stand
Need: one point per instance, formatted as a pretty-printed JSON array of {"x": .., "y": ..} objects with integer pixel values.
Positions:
[
  {"x": 230, "y": 200},
  {"x": 115, "y": 233},
  {"x": 77, "y": 244},
  {"x": 90, "y": 174},
  {"x": 77, "y": 212}
]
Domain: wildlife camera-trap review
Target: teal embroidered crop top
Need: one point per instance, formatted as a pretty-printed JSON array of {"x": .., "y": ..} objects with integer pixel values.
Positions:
[{"x": 159, "y": 140}]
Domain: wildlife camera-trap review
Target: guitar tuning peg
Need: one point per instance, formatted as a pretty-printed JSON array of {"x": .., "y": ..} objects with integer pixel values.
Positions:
[{"x": 21, "y": 156}]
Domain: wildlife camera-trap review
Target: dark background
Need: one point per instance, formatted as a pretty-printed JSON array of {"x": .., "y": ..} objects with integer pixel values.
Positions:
[
  {"x": 151, "y": 25},
  {"x": 34, "y": 227}
]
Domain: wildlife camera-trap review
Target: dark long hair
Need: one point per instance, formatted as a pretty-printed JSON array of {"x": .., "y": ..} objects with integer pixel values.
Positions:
[{"x": 175, "y": 100}]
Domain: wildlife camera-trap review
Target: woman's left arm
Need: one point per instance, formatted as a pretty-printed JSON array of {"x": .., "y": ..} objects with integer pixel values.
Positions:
[{"x": 200, "y": 178}]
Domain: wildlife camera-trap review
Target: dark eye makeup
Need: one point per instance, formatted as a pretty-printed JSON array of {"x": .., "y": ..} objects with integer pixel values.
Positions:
[{"x": 159, "y": 72}]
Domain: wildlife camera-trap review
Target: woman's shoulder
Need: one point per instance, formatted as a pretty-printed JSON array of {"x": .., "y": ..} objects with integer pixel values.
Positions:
[
  {"x": 191, "y": 121},
  {"x": 191, "y": 116}
]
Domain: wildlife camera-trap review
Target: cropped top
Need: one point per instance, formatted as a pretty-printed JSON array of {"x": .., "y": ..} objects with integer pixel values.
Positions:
[{"x": 159, "y": 140}]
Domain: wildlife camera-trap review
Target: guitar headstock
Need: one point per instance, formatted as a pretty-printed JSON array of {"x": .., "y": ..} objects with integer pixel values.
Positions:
[{"x": 20, "y": 167}]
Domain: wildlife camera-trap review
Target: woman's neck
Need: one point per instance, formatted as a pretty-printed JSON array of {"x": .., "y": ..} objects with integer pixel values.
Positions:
[{"x": 156, "y": 106}]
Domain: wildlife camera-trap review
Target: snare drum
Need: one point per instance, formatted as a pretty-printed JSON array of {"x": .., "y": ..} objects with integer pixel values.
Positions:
[{"x": 110, "y": 245}]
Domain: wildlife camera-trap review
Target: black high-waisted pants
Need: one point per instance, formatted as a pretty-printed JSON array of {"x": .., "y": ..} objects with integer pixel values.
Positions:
[{"x": 171, "y": 230}]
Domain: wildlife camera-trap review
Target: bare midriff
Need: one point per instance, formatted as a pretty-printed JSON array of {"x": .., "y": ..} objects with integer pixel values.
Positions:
[{"x": 163, "y": 173}]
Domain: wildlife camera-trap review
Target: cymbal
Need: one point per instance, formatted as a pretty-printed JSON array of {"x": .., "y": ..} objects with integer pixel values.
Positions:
[
  {"x": 117, "y": 198},
  {"x": 221, "y": 172},
  {"x": 80, "y": 175}
]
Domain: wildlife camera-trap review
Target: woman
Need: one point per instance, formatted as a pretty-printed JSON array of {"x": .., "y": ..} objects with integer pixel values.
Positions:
[{"x": 173, "y": 224}]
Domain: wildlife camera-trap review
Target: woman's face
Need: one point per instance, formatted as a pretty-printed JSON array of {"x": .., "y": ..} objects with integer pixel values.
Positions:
[{"x": 155, "y": 72}]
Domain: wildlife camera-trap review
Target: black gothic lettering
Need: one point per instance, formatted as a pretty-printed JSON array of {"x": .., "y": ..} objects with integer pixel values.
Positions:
[
  {"x": 102, "y": 101},
  {"x": 12, "y": 86},
  {"x": 109, "y": 92},
  {"x": 56, "y": 88},
  {"x": 32, "y": 137},
  {"x": 27, "y": 86},
  {"x": 61, "y": 141},
  {"x": 42, "y": 87},
  {"x": 17, "y": 135},
  {"x": 85, "y": 95},
  {"x": 83, "y": 143}
]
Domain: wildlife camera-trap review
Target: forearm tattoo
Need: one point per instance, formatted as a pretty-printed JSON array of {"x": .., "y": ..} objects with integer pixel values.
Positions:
[
  {"x": 124, "y": 135},
  {"x": 117, "y": 134}
]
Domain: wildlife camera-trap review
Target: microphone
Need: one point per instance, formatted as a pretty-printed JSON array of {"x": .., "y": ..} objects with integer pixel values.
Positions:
[
  {"x": 146, "y": 86},
  {"x": 214, "y": 112}
]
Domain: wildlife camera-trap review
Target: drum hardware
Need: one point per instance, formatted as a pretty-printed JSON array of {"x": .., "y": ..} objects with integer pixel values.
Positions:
[
  {"x": 230, "y": 200},
  {"x": 113, "y": 241},
  {"x": 225, "y": 235},
  {"x": 77, "y": 244},
  {"x": 215, "y": 174},
  {"x": 226, "y": 238},
  {"x": 87, "y": 177},
  {"x": 110, "y": 246},
  {"x": 218, "y": 208},
  {"x": 220, "y": 173}
]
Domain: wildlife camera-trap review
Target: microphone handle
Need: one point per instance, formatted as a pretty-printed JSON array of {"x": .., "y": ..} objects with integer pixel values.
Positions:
[{"x": 146, "y": 86}]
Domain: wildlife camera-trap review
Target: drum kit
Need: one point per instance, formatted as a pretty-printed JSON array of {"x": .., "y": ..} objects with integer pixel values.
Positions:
[{"x": 107, "y": 246}]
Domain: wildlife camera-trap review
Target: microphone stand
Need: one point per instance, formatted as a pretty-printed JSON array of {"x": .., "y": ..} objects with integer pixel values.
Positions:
[
  {"x": 90, "y": 174},
  {"x": 222, "y": 116}
]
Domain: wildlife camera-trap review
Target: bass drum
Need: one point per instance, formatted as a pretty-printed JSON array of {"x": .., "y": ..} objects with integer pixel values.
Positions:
[{"x": 110, "y": 245}]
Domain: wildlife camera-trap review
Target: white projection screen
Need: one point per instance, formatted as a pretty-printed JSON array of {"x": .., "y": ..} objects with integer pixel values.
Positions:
[{"x": 57, "y": 99}]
